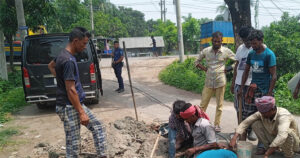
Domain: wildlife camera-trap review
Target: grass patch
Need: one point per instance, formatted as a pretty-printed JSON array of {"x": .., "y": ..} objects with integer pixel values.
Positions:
[
  {"x": 5, "y": 136},
  {"x": 10, "y": 102},
  {"x": 11, "y": 96},
  {"x": 186, "y": 76}
]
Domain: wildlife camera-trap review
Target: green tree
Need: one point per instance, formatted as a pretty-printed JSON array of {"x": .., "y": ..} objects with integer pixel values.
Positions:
[
  {"x": 108, "y": 26},
  {"x": 9, "y": 24},
  {"x": 283, "y": 37},
  {"x": 169, "y": 32},
  {"x": 134, "y": 21},
  {"x": 191, "y": 34},
  {"x": 36, "y": 12},
  {"x": 150, "y": 25},
  {"x": 68, "y": 12}
]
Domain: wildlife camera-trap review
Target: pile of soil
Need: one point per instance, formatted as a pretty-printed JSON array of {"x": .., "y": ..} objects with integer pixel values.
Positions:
[{"x": 126, "y": 138}]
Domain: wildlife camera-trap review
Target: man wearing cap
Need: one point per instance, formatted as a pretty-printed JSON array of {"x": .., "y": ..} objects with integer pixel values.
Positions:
[
  {"x": 203, "y": 134},
  {"x": 275, "y": 127}
]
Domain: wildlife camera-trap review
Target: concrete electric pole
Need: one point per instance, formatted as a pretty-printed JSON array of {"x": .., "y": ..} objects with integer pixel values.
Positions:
[
  {"x": 3, "y": 68},
  {"x": 161, "y": 10},
  {"x": 165, "y": 11},
  {"x": 92, "y": 19},
  {"x": 179, "y": 31},
  {"x": 21, "y": 20}
]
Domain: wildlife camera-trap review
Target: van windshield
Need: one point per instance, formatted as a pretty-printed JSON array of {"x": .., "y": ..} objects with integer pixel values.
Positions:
[{"x": 43, "y": 50}]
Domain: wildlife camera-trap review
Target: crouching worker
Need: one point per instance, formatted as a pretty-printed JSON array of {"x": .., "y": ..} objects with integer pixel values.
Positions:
[
  {"x": 179, "y": 131},
  {"x": 275, "y": 127},
  {"x": 204, "y": 136}
]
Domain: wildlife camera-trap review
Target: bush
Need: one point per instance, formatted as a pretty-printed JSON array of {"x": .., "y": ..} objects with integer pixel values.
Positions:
[
  {"x": 187, "y": 77},
  {"x": 11, "y": 96},
  {"x": 284, "y": 97},
  {"x": 14, "y": 80},
  {"x": 10, "y": 102}
]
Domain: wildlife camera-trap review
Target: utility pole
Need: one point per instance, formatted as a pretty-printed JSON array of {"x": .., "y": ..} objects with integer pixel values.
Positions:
[
  {"x": 92, "y": 19},
  {"x": 161, "y": 10},
  {"x": 21, "y": 20},
  {"x": 179, "y": 31},
  {"x": 165, "y": 11},
  {"x": 3, "y": 68}
]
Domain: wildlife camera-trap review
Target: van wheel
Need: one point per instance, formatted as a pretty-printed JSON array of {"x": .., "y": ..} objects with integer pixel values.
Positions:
[{"x": 42, "y": 106}]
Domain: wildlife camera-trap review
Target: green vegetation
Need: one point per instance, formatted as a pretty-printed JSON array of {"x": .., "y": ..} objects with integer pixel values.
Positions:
[
  {"x": 5, "y": 136},
  {"x": 283, "y": 37},
  {"x": 187, "y": 77},
  {"x": 283, "y": 95},
  {"x": 11, "y": 96}
]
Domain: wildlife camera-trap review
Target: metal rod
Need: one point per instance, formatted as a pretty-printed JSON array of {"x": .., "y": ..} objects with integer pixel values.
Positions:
[
  {"x": 129, "y": 76},
  {"x": 240, "y": 108}
]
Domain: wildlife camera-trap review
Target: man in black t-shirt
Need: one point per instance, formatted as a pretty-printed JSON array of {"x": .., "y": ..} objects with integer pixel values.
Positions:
[{"x": 70, "y": 97}]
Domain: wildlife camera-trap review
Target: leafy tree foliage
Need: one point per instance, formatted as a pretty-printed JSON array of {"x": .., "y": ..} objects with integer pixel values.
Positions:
[
  {"x": 9, "y": 24},
  {"x": 134, "y": 21},
  {"x": 283, "y": 37},
  {"x": 36, "y": 13},
  {"x": 109, "y": 26},
  {"x": 169, "y": 32},
  {"x": 69, "y": 12},
  {"x": 191, "y": 33}
]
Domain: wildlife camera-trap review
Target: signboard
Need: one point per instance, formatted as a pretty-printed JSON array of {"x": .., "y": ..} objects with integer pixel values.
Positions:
[{"x": 23, "y": 27}]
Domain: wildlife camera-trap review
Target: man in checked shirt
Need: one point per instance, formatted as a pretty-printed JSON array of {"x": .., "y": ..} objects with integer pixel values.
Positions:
[{"x": 215, "y": 82}]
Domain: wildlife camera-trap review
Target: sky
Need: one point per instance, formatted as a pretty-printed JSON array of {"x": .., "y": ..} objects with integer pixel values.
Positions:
[{"x": 269, "y": 10}]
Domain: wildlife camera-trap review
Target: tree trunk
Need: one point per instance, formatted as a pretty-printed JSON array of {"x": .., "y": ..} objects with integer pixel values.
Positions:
[
  {"x": 240, "y": 15},
  {"x": 3, "y": 68}
]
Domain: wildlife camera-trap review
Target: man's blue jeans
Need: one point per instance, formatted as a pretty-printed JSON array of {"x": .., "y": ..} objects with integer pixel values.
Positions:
[
  {"x": 172, "y": 142},
  {"x": 118, "y": 72}
]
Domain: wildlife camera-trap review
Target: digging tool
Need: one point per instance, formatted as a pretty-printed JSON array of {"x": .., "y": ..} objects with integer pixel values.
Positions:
[
  {"x": 163, "y": 131},
  {"x": 129, "y": 77},
  {"x": 155, "y": 144},
  {"x": 240, "y": 108}
]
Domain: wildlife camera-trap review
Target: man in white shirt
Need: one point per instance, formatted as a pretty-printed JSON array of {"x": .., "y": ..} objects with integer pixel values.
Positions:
[{"x": 241, "y": 58}]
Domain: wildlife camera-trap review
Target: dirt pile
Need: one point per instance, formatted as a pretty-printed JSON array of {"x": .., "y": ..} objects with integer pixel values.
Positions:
[{"x": 126, "y": 138}]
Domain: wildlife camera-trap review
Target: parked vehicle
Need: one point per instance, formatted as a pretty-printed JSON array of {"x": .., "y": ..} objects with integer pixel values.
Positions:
[
  {"x": 39, "y": 84},
  {"x": 207, "y": 29},
  {"x": 16, "y": 49},
  {"x": 103, "y": 46}
]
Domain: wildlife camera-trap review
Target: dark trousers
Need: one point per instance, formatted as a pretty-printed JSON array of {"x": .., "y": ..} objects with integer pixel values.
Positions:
[{"x": 118, "y": 72}]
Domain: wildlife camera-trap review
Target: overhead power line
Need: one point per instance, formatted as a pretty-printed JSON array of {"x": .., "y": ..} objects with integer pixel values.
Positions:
[{"x": 276, "y": 6}]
